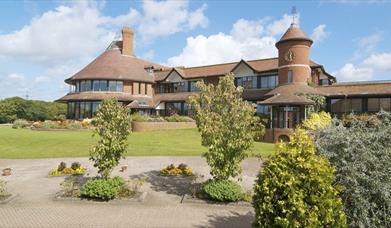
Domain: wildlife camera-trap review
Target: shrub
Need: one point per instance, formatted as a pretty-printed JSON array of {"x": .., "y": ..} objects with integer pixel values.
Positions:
[
  {"x": 295, "y": 188},
  {"x": 113, "y": 127},
  {"x": 76, "y": 165},
  {"x": 222, "y": 190},
  {"x": 49, "y": 125},
  {"x": 362, "y": 157},
  {"x": 317, "y": 120},
  {"x": 61, "y": 166},
  {"x": 227, "y": 123},
  {"x": 20, "y": 123},
  {"x": 71, "y": 187},
  {"x": 102, "y": 189},
  {"x": 60, "y": 117},
  {"x": 178, "y": 118},
  {"x": 137, "y": 117},
  {"x": 74, "y": 126}
]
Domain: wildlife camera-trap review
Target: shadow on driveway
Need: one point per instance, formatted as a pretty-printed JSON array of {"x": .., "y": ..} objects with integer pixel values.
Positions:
[{"x": 234, "y": 220}]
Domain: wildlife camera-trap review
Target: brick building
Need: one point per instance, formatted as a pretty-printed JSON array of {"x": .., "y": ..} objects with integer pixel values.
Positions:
[{"x": 275, "y": 85}]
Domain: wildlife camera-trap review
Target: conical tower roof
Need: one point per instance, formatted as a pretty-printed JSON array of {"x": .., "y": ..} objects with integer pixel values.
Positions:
[{"x": 293, "y": 33}]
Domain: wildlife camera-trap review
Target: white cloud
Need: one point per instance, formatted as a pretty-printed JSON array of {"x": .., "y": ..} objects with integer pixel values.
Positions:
[
  {"x": 319, "y": 33},
  {"x": 366, "y": 69},
  {"x": 350, "y": 72},
  {"x": 65, "y": 39},
  {"x": 163, "y": 18},
  {"x": 380, "y": 62},
  {"x": 246, "y": 40}
]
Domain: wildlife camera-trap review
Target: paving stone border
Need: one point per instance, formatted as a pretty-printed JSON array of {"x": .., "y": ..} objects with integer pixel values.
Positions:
[
  {"x": 139, "y": 199},
  {"x": 187, "y": 199}
]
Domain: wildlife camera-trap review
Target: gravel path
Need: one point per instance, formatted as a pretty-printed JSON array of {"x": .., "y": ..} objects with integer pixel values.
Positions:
[{"x": 34, "y": 205}]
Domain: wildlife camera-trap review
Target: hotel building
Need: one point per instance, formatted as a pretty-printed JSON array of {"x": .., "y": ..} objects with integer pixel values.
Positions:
[{"x": 275, "y": 85}]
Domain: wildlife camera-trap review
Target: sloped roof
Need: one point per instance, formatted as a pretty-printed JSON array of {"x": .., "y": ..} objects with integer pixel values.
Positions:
[
  {"x": 120, "y": 96},
  {"x": 357, "y": 88},
  {"x": 291, "y": 94},
  {"x": 293, "y": 33},
  {"x": 111, "y": 64},
  {"x": 259, "y": 65}
]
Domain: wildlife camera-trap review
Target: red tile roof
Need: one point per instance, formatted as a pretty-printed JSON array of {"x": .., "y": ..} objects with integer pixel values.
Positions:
[{"x": 357, "y": 89}]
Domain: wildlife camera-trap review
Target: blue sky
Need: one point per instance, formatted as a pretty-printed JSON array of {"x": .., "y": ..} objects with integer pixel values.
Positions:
[{"x": 44, "y": 42}]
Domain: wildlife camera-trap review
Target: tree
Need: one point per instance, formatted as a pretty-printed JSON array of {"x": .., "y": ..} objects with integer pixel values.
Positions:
[
  {"x": 361, "y": 153},
  {"x": 113, "y": 127},
  {"x": 227, "y": 123},
  {"x": 319, "y": 102},
  {"x": 295, "y": 188},
  {"x": 316, "y": 121}
]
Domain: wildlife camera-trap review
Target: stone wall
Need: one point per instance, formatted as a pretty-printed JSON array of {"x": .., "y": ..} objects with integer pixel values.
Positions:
[
  {"x": 156, "y": 126},
  {"x": 276, "y": 134}
]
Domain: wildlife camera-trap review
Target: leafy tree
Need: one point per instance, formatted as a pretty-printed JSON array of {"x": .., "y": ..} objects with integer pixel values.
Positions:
[
  {"x": 319, "y": 100},
  {"x": 227, "y": 124},
  {"x": 295, "y": 188},
  {"x": 33, "y": 110},
  {"x": 113, "y": 127},
  {"x": 361, "y": 154}
]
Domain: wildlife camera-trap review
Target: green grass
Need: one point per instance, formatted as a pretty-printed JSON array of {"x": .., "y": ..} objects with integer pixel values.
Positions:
[{"x": 25, "y": 143}]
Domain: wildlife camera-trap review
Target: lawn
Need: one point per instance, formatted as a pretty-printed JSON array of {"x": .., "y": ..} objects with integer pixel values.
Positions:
[{"x": 25, "y": 143}]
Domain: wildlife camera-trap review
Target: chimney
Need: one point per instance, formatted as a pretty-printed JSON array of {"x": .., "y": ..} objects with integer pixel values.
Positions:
[{"x": 127, "y": 41}]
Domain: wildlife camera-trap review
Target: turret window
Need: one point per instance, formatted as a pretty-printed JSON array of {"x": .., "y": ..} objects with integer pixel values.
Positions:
[{"x": 290, "y": 76}]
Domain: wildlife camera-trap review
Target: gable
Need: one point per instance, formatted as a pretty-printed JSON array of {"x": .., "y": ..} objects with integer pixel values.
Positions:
[
  {"x": 242, "y": 69},
  {"x": 173, "y": 77}
]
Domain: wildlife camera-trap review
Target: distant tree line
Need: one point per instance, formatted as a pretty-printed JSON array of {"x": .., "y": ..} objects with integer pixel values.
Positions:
[{"x": 33, "y": 110}]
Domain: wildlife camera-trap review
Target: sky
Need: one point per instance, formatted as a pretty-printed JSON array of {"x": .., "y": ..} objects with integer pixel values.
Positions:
[{"x": 44, "y": 42}]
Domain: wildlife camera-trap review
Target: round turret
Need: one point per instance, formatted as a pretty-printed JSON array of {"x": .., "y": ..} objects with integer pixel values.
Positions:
[{"x": 294, "y": 56}]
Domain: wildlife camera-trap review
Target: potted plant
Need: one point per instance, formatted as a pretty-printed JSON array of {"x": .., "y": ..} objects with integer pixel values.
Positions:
[{"x": 6, "y": 171}]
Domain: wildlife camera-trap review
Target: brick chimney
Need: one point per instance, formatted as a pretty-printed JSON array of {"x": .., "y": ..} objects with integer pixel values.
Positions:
[{"x": 127, "y": 41}]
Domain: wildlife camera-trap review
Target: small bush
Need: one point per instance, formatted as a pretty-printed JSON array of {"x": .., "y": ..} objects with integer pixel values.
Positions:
[
  {"x": 222, "y": 190},
  {"x": 60, "y": 117},
  {"x": 317, "y": 120},
  {"x": 137, "y": 117},
  {"x": 49, "y": 125},
  {"x": 20, "y": 123},
  {"x": 61, "y": 166},
  {"x": 75, "y": 165},
  {"x": 74, "y": 126},
  {"x": 102, "y": 189}
]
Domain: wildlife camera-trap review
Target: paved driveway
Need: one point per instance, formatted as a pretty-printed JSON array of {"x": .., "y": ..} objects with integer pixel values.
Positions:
[{"x": 34, "y": 205}]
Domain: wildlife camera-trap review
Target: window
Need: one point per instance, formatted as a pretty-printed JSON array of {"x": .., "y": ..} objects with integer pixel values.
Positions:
[
  {"x": 103, "y": 85},
  {"x": 373, "y": 105},
  {"x": 112, "y": 86},
  {"x": 346, "y": 105},
  {"x": 95, "y": 106},
  {"x": 193, "y": 87},
  {"x": 247, "y": 82},
  {"x": 95, "y": 85},
  {"x": 290, "y": 76},
  {"x": 71, "y": 109},
  {"x": 263, "y": 109},
  {"x": 324, "y": 82},
  {"x": 385, "y": 104},
  {"x": 83, "y": 86},
  {"x": 120, "y": 86},
  {"x": 267, "y": 81},
  {"x": 88, "y": 86}
]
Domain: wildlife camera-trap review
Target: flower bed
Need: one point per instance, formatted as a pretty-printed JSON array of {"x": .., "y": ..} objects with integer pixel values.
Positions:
[
  {"x": 53, "y": 125},
  {"x": 61, "y": 170},
  {"x": 181, "y": 169}
]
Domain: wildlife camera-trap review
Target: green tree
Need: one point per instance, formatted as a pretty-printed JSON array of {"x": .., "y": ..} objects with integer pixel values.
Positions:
[
  {"x": 113, "y": 127},
  {"x": 360, "y": 151},
  {"x": 227, "y": 123},
  {"x": 295, "y": 188}
]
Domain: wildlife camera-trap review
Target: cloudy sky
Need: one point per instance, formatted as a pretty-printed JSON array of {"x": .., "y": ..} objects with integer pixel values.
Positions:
[{"x": 44, "y": 42}]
